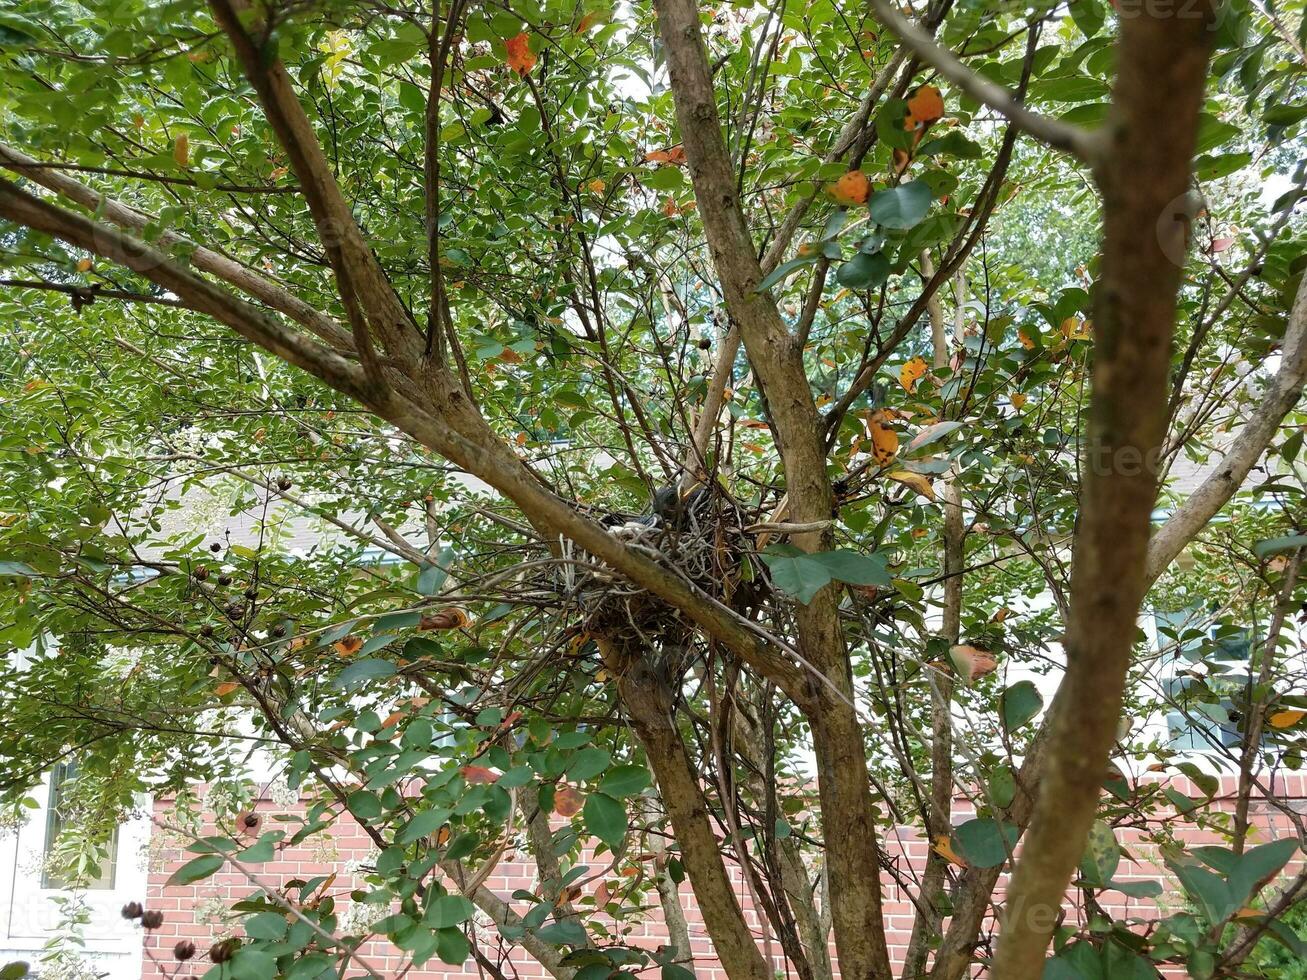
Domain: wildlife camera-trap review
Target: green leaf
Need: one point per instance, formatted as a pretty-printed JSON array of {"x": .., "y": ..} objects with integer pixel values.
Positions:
[
  {"x": 452, "y": 946},
  {"x": 1088, "y": 15},
  {"x": 565, "y": 932},
  {"x": 783, "y": 270},
  {"x": 1069, "y": 88},
  {"x": 448, "y": 911},
  {"x": 901, "y": 207},
  {"x": 196, "y": 869},
  {"x": 1101, "y": 857},
  {"x": 1207, "y": 888},
  {"x": 853, "y": 568},
  {"x": 1273, "y": 546},
  {"x": 1259, "y": 865},
  {"x": 1137, "y": 889},
  {"x": 266, "y": 925},
  {"x": 864, "y": 271},
  {"x": 798, "y": 575},
  {"x": 952, "y": 144},
  {"x": 361, "y": 672},
  {"x": 605, "y": 818},
  {"x": 589, "y": 763},
  {"x": 623, "y": 781},
  {"x": 424, "y": 824},
  {"x": 363, "y": 804},
  {"x": 1018, "y": 704},
  {"x": 18, "y": 568},
  {"x": 984, "y": 842}
]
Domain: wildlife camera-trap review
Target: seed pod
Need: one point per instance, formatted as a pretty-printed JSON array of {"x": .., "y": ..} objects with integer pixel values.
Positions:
[
  {"x": 224, "y": 950},
  {"x": 151, "y": 919},
  {"x": 200, "y": 573},
  {"x": 215, "y": 547},
  {"x": 132, "y": 910},
  {"x": 184, "y": 950}
]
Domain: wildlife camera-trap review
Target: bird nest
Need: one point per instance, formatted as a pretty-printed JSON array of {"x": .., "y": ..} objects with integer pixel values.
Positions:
[{"x": 701, "y": 535}]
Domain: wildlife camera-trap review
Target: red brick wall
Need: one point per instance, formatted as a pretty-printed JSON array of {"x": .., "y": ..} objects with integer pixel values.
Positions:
[{"x": 184, "y": 907}]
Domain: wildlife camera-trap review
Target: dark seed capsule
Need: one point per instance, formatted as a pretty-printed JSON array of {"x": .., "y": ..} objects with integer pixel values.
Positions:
[
  {"x": 132, "y": 910},
  {"x": 184, "y": 950},
  {"x": 224, "y": 950},
  {"x": 151, "y": 919}
]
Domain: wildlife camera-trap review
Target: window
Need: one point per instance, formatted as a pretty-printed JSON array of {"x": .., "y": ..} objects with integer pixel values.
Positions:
[
  {"x": 61, "y": 780},
  {"x": 1207, "y": 710}
]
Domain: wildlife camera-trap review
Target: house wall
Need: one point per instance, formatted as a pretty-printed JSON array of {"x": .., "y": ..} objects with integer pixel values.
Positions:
[{"x": 190, "y": 910}]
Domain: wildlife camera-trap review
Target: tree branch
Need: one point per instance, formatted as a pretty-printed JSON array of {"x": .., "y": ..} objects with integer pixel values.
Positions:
[
  {"x": 228, "y": 270},
  {"x": 1162, "y": 60},
  {"x": 1252, "y": 438},
  {"x": 1059, "y": 135}
]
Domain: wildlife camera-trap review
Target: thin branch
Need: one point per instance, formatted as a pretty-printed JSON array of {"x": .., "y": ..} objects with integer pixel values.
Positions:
[{"x": 1071, "y": 139}]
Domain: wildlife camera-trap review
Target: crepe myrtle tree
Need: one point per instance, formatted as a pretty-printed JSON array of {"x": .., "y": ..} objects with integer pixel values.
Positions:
[{"x": 700, "y": 418}]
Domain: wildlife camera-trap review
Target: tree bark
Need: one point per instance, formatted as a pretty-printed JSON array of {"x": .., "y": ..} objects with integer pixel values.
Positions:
[
  {"x": 777, "y": 359},
  {"x": 1163, "y": 62},
  {"x": 926, "y": 923},
  {"x": 648, "y": 701}
]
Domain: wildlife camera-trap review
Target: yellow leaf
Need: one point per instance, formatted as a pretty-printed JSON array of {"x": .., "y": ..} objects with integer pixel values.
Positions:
[
  {"x": 1287, "y": 718},
  {"x": 597, "y": 186},
  {"x": 1018, "y": 401},
  {"x": 944, "y": 848},
  {"x": 912, "y": 372},
  {"x": 1027, "y": 341},
  {"x": 181, "y": 150},
  {"x": 1074, "y": 328},
  {"x": 914, "y": 480},
  {"x": 83, "y": 265}
]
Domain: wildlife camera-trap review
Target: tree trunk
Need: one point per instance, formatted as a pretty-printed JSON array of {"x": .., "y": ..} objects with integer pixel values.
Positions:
[{"x": 1163, "y": 62}]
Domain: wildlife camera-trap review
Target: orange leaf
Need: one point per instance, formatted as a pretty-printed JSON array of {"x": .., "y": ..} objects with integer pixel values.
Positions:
[
  {"x": 442, "y": 836},
  {"x": 567, "y": 801},
  {"x": 971, "y": 662},
  {"x": 916, "y": 481},
  {"x": 520, "y": 57},
  {"x": 1286, "y": 719},
  {"x": 1026, "y": 340},
  {"x": 602, "y": 894},
  {"x": 479, "y": 774},
  {"x": 852, "y": 188},
  {"x": 348, "y": 646},
  {"x": 674, "y": 155},
  {"x": 597, "y": 186},
  {"x": 926, "y": 105},
  {"x": 944, "y": 848},
  {"x": 222, "y": 690},
  {"x": 884, "y": 440},
  {"x": 83, "y": 265},
  {"x": 911, "y": 373},
  {"x": 1018, "y": 401},
  {"x": 181, "y": 150},
  {"x": 586, "y": 22}
]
